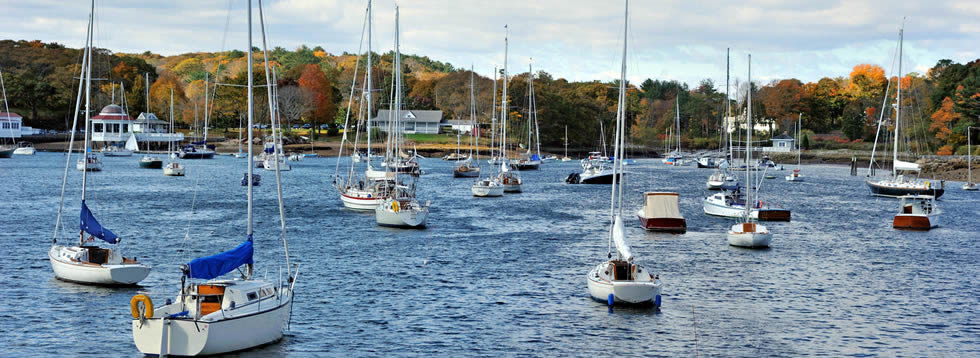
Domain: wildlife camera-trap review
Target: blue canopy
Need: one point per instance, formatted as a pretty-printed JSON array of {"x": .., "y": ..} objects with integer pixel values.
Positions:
[
  {"x": 92, "y": 226},
  {"x": 535, "y": 157},
  {"x": 269, "y": 150},
  {"x": 216, "y": 265}
]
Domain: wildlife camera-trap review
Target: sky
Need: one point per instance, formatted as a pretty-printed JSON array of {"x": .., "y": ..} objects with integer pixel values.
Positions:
[{"x": 579, "y": 40}]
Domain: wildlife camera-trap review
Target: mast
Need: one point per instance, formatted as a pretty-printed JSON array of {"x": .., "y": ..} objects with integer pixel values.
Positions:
[
  {"x": 88, "y": 99},
  {"x": 618, "y": 163},
  {"x": 367, "y": 91},
  {"x": 146, "y": 127},
  {"x": 207, "y": 79},
  {"x": 504, "y": 167},
  {"x": 171, "y": 113},
  {"x": 898, "y": 112},
  {"x": 395, "y": 159},
  {"x": 251, "y": 107},
  {"x": 748, "y": 148},
  {"x": 728, "y": 103},
  {"x": 566, "y": 142},
  {"x": 472, "y": 109},
  {"x": 493, "y": 117},
  {"x": 677, "y": 118},
  {"x": 799, "y": 143},
  {"x": 71, "y": 140},
  {"x": 273, "y": 94}
]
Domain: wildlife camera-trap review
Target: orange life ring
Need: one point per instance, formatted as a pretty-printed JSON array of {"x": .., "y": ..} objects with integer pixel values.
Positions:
[
  {"x": 394, "y": 206},
  {"x": 135, "y": 309}
]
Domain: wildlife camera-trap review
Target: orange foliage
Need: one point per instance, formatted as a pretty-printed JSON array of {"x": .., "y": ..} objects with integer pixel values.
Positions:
[
  {"x": 320, "y": 54},
  {"x": 945, "y": 150},
  {"x": 942, "y": 118},
  {"x": 315, "y": 81},
  {"x": 866, "y": 80}
]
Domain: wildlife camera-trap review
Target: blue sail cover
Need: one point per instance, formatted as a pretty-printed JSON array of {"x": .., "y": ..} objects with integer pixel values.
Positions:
[
  {"x": 92, "y": 226},
  {"x": 216, "y": 265},
  {"x": 535, "y": 157}
]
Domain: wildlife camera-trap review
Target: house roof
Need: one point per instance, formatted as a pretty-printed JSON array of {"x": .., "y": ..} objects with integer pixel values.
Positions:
[
  {"x": 9, "y": 115},
  {"x": 149, "y": 118},
  {"x": 411, "y": 115},
  {"x": 112, "y": 111},
  {"x": 782, "y": 137}
]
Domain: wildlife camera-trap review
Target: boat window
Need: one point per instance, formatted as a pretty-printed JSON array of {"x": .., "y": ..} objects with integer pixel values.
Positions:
[{"x": 252, "y": 296}]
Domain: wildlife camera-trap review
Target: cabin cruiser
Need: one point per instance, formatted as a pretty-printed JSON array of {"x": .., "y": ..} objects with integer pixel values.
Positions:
[{"x": 917, "y": 212}]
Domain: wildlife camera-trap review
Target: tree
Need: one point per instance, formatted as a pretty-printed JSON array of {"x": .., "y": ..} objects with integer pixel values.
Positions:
[
  {"x": 942, "y": 120},
  {"x": 320, "y": 91},
  {"x": 294, "y": 103}
]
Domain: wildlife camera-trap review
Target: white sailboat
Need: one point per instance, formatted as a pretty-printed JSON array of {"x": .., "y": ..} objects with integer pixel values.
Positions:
[
  {"x": 899, "y": 184},
  {"x": 490, "y": 185},
  {"x": 401, "y": 209},
  {"x": 748, "y": 233},
  {"x": 722, "y": 179},
  {"x": 240, "y": 153},
  {"x": 6, "y": 150},
  {"x": 215, "y": 316},
  {"x": 796, "y": 175},
  {"x": 676, "y": 157},
  {"x": 566, "y": 158},
  {"x": 87, "y": 263},
  {"x": 468, "y": 167},
  {"x": 510, "y": 179},
  {"x": 377, "y": 185},
  {"x": 969, "y": 185},
  {"x": 173, "y": 167},
  {"x": 619, "y": 280}
]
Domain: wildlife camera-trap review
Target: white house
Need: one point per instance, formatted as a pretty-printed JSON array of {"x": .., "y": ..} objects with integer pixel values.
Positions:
[
  {"x": 114, "y": 125},
  {"x": 737, "y": 122},
  {"x": 10, "y": 125},
  {"x": 462, "y": 126},
  {"x": 780, "y": 143},
  {"x": 411, "y": 121}
]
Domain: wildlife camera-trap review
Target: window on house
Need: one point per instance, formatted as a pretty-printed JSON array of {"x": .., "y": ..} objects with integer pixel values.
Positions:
[
  {"x": 97, "y": 127},
  {"x": 125, "y": 127},
  {"x": 6, "y": 126}
]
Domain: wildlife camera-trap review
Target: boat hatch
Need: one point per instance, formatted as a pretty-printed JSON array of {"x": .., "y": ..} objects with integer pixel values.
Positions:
[
  {"x": 907, "y": 209},
  {"x": 210, "y": 297},
  {"x": 98, "y": 255},
  {"x": 622, "y": 270}
]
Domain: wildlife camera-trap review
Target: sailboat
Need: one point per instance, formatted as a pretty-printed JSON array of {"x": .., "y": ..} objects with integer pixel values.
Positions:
[
  {"x": 490, "y": 186},
  {"x": 748, "y": 233},
  {"x": 530, "y": 160},
  {"x": 201, "y": 150},
  {"x": 795, "y": 175},
  {"x": 619, "y": 280},
  {"x": 676, "y": 157},
  {"x": 215, "y": 316},
  {"x": 900, "y": 184},
  {"x": 276, "y": 162},
  {"x": 510, "y": 179},
  {"x": 240, "y": 153},
  {"x": 969, "y": 185},
  {"x": 376, "y": 186},
  {"x": 148, "y": 161},
  {"x": 402, "y": 208},
  {"x": 173, "y": 167},
  {"x": 732, "y": 202},
  {"x": 88, "y": 263},
  {"x": 468, "y": 168}
]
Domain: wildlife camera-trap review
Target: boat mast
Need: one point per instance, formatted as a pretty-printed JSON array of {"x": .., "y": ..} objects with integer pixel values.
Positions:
[
  {"x": 396, "y": 157},
  {"x": 728, "y": 104},
  {"x": 534, "y": 112},
  {"x": 898, "y": 112},
  {"x": 799, "y": 141},
  {"x": 748, "y": 148},
  {"x": 493, "y": 117},
  {"x": 677, "y": 118},
  {"x": 71, "y": 140},
  {"x": 503, "y": 111},
  {"x": 88, "y": 102},
  {"x": 472, "y": 110},
  {"x": 566, "y": 142},
  {"x": 367, "y": 90},
  {"x": 251, "y": 107},
  {"x": 207, "y": 79},
  {"x": 273, "y": 95},
  {"x": 617, "y": 164}
]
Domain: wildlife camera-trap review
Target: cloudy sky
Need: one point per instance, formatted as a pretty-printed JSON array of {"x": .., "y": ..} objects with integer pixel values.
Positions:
[{"x": 575, "y": 39}]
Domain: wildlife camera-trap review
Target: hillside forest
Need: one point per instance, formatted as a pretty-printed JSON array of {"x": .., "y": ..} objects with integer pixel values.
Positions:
[{"x": 314, "y": 86}]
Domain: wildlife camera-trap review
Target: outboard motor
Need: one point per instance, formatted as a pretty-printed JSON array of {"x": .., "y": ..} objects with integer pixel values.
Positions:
[{"x": 573, "y": 179}]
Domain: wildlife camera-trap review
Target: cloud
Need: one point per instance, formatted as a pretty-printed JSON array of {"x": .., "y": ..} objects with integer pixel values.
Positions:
[{"x": 574, "y": 39}]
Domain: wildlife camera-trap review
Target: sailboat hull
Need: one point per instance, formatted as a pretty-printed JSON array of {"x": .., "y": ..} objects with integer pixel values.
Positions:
[
  {"x": 94, "y": 274},
  {"x": 151, "y": 163},
  {"x": 186, "y": 337},
  {"x": 625, "y": 292},
  {"x": 749, "y": 235},
  {"x": 487, "y": 191},
  {"x": 892, "y": 189},
  {"x": 25, "y": 151},
  {"x": 469, "y": 173},
  {"x": 6, "y": 153},
  {"x": 408, "y": 219}
]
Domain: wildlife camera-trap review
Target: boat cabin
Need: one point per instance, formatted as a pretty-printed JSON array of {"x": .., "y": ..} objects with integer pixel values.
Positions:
[
  {"x": 916, "y": 212},
  {"x": 93, "y": 255},
  {"x": 216, "y": 300}
]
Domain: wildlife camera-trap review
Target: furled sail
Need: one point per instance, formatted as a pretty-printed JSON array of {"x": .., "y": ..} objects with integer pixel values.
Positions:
[
  {"x": 906, "y": 166},
  {"x": 90, "y": 225},
  {"x": 216, "y": 265},
  {"x": 619, "y": 238}
]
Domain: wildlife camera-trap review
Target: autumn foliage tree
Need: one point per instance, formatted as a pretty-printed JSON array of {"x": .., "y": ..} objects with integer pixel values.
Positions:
[
  {"x": 942, "y": 119},
  {"x": 316, "y": 84}
]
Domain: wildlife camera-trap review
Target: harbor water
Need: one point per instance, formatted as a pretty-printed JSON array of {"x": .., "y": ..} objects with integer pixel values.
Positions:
[{"x": 502, "y": 276}]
